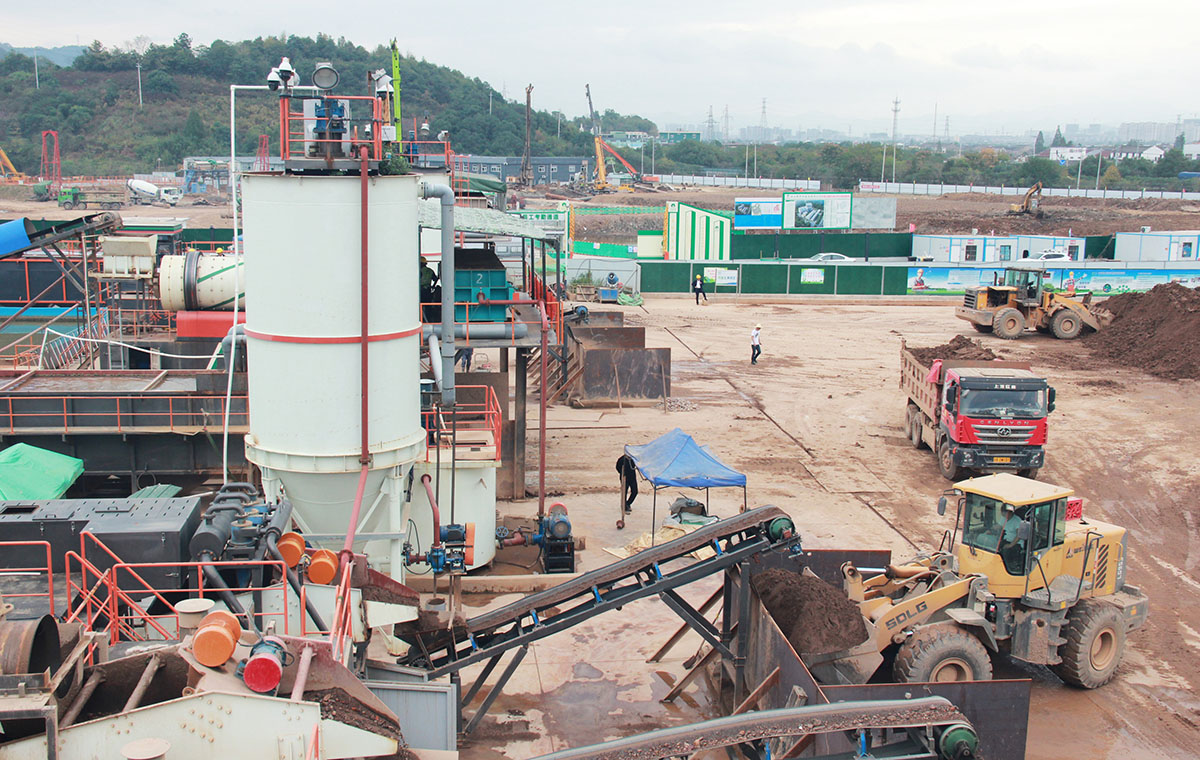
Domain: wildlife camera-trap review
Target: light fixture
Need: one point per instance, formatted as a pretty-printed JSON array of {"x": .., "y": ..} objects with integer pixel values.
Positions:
[
  {"x": 286, "y": 72},
  {"x": 274, "y": 80},
  {"x": 325, "y": 76}
]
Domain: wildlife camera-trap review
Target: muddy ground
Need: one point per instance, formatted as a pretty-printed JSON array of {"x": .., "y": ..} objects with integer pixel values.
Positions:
[
  {"x": 931, "y": 214},
  {"x": 817, "y": 427}
]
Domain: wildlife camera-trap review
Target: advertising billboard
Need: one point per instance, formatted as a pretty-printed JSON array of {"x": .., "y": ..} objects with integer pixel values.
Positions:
[
  {"x": 1068, "y": 153},
  {"x": 817, "y": 211},
  {"x": 757, "y": 213},
  {"x": 949, "y": 281}
]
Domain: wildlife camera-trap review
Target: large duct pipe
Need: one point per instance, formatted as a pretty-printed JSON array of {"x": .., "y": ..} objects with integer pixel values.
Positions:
[
  {"x": 446, "y": 195},
  {"x": 236, "y": 333},
  {"x": 434, "y": 364},
  {"x": 484, "y": 330}
]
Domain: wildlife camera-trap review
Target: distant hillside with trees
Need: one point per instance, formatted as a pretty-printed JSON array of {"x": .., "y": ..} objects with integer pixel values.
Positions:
[{"x": 93, "y": 103}]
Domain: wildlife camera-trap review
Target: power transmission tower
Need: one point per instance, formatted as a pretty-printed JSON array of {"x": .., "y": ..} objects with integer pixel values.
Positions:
[
  {"x": 710, "y": 126},
  {"x": 895, "y": 122},
  {"x": 762, "y": 123}
]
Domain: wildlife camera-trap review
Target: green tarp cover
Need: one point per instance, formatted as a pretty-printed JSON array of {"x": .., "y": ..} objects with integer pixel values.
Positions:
[
  {"x": 27, "y": 472},
  {"x": 484, "y": 183}
]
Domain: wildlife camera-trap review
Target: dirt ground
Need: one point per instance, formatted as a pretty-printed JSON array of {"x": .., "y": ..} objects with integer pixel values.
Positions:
[
  {"x": 816, "y": 426},
  {"x": 931, "y": 214}
]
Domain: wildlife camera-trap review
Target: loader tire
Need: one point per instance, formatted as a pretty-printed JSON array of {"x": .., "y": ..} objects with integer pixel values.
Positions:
[
  {"x": 950, "y": 471},
  {"x": 942, "y": 653},
  {"x": 1095, "y": 635},
  {"x": 1008, "y": 324},
  {"x": 981, "y": 328},
  {"x": 1066, "y": 325}
]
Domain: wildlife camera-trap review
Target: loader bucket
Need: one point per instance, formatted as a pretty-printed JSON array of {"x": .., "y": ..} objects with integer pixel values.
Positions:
[{"x": 849, "y": 666}]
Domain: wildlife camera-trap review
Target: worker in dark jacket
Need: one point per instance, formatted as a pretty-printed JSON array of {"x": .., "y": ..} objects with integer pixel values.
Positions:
[
  {"x": 629, "y": 487},
  {"x": 698, "y": 289}
]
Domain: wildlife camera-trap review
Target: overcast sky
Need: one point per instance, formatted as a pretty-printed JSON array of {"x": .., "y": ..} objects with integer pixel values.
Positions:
[{"x": 992, "y": 66}]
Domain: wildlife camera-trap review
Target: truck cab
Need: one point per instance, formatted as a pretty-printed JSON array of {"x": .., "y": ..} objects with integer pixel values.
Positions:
[{"x": 992, "y": 418}]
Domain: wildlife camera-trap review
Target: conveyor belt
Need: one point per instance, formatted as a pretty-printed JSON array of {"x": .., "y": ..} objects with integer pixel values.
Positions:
[
  {"x": 91, "y": 224},
  {"x": 745, "y": 729},
  {"x": 489, "y": 635}
]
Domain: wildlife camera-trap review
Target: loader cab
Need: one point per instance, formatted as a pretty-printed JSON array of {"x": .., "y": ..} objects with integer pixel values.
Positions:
[
  {"x": 1013, "y": 531},
  {"x": 1027, "y": 284}
]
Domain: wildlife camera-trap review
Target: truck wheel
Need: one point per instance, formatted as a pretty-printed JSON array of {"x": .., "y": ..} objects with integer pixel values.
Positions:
[
  {"x": 914, "y": 429},
  {"x": 83, "y": 205},
  {"x": 68, "y": 206},
  {"x": 1031, "y": 473},
  {"x": 942, "y": 653},
  {"x": 1095, "y": 635},
  {"x": 981, "y": 328},
  {"x": 1008, "y": 324},
  {"x": 949, "y": 470},
  {"x": 1066, "y": 325}
]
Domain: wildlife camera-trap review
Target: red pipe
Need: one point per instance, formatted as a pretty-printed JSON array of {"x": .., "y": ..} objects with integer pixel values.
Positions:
[
  {"x": 427, "y": 481},
  {"x": 364, "y": 456}
]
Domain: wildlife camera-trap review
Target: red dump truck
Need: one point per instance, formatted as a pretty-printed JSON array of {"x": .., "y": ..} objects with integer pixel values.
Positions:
[{"x": 982, "y": 416}]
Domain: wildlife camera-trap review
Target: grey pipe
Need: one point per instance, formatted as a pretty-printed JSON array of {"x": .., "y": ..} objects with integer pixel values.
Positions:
[
  {"x": 226, "y": 593},
  {"x": 432, "y": 338},
  {"x": 446, "y": 195},
  {"x": 485, "y": 331},
  {"x": 236, "y": 333}
]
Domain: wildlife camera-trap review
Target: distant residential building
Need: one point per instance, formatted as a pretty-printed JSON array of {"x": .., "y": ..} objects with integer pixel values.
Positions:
[
  {"x": 1153, "y": 153},
  {"x": 546, "y": 169},
  {"x": 1149, "y": 131},
  {"x": 1191, "y": 151}
]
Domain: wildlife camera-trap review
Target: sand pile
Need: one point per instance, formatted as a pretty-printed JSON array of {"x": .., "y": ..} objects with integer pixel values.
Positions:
[
  {"x": 816, "y": 617},
  {"x": 1157, "y": 331},
  {"x": 960, "y": 347}
]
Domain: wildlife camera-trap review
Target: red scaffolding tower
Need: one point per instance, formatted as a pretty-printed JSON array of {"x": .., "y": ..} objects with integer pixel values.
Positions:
[
  {"x": 261, "y": 161},
  {"x": 51, "y": 165}
]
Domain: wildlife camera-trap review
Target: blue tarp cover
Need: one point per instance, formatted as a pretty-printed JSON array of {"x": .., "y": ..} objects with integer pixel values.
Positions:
[{"x": 675, "y": 459}]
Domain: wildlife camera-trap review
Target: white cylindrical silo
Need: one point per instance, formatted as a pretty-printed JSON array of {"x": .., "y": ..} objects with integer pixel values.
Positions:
[{"x": 303, "y": 295}]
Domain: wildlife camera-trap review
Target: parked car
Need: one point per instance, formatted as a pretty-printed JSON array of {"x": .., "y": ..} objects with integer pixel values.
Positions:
[
  {"x": 1052, "y": 256},
  {"x": 831, "y": 257}
]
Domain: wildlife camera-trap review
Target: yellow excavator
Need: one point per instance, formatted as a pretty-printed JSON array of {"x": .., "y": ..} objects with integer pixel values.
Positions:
[
  {"x": 8, "y": 172},
  {"x": 1022, "y": 573},
  {"x": 1031, "y": 203}
]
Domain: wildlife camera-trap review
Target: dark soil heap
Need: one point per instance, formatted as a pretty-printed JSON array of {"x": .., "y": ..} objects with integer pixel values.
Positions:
[
  {"x": 1157, "y": 331},
  {"x": 959, "y": 347},
  {"x": 816, "y": 617}
]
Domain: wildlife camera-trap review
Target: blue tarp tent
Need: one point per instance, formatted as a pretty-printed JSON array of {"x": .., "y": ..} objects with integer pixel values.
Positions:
[{"x": 676, "y": 460}]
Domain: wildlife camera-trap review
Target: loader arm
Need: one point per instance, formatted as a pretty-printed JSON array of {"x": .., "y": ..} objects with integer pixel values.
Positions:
[{"x": 892, "y": 619}]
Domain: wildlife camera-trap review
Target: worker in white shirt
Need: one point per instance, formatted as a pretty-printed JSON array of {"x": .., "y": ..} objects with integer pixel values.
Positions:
[{"x": 755, "y": 344}]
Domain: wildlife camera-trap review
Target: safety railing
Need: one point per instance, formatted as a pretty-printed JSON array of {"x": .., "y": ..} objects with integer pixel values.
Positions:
[
  {"x": 63, "y": 350},
  {"x": 332, "y": 132},
  {"x": 436, "y": 154},
  {"x": 37, "y": 569},
  {"x": 176, "y": 413},
  {"x": 127, "y": 322},
  {"x": 341, "y": 632},
  {"x": 112, "y": 600},
  {"x": 541, "y": 292},
  {"x": 464, "y": 419}
]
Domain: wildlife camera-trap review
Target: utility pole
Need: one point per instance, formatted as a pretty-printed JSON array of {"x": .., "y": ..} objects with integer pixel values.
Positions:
[
  {"x": 755, "y": 159},
  {"x": 139, "y": 75},
  {"x": 1099, "y": 160},
  {"x": 527, "y": 159},
  {"x": 883, "y": 166},
  {"x": 37, "y": 84},
  {"x": 489, "y": 103},
  {"x": 653, "y": 145},
  {"x": 895, "y": 122}
]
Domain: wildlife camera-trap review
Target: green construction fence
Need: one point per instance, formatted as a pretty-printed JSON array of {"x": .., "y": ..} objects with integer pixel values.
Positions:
[
  {"x": 770, "y": 278},
  {"x": 803, "y": 245}
]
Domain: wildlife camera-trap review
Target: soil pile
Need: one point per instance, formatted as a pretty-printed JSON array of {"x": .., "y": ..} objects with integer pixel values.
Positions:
[
  {"x": 960, "y": 347},
  {"x": 816, "y": 617},
  {"x": 1157, "y": 331}
]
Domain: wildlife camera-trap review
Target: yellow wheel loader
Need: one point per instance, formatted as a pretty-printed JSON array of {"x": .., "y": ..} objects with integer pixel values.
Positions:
[
  {"x": 1016, "y": 575},
  {"x": 1023, "y": 302}
]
